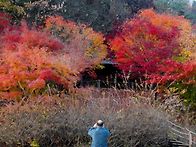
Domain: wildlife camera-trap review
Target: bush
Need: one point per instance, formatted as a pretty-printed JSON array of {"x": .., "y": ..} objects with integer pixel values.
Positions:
[
  {"x": 51, "y": 121},
  {"x": 158, "y": 48},
  {"x": 31, "y": 59}
]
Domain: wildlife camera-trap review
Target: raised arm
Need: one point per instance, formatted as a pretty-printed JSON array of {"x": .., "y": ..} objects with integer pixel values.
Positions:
[{"x": 91, "y": 131}]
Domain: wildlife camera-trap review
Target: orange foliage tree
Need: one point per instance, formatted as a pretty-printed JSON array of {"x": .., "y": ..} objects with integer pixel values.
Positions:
[
  {"x": 32, "y": 58},
  {"x": 158, "y": 47},
  {"x": 143, "y": 43},
  {"x": 83, "y": 47}
]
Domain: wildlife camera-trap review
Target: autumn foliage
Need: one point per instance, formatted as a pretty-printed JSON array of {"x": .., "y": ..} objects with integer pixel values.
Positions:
[
  {"x": 144, "y": 42},
  {"x": 30, "y": 58},
  {"x": 157, "y": 47},
  {"x": 83, "y": 47}
]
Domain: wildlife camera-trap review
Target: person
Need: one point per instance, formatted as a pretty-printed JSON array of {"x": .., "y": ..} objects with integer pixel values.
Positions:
[{"x": 99, "y": 134}]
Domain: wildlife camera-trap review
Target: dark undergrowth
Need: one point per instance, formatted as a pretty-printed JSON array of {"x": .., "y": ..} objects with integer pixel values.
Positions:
[{"x": 50, "y": 121}]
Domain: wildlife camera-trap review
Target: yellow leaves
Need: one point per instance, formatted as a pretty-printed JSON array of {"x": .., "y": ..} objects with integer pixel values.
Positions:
[
  {"x": 96, "y": 50},
  {"x": 183, "y": 56},
  {"x": 8, "y": 6},
  {"x": 82, "y": 40},
  {"x": 59, "y": 66},
  {"x": 186, "y": 53},
  {"x": 96, "y": 47},
  {"x": 34, "y": 143},
  {"x": 102, "y": 51},
  {"x": 87, "y": 31},
  {"x": 97, "y": 39}
]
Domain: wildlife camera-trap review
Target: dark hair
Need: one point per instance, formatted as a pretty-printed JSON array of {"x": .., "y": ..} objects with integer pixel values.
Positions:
[{"x": 100, "y": 124}]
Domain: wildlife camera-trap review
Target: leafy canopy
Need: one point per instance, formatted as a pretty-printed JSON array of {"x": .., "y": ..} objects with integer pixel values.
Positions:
[{"x": 30, "y": 58}]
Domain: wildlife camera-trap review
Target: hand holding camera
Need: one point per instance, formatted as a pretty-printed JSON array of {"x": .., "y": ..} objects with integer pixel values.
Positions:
[{"x": 99, "y": 123}]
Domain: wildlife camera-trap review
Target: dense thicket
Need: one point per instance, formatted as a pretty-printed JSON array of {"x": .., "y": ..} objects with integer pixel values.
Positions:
[
  {"x": 51, "y": 121},
  {"x": 30, "y": 58}
]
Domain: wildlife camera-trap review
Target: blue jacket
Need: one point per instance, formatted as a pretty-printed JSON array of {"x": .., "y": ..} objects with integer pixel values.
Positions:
[{"x": 99, "y": 136}]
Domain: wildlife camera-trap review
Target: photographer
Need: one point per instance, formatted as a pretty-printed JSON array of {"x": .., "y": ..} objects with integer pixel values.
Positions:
[{"x": 99, "y": 134}]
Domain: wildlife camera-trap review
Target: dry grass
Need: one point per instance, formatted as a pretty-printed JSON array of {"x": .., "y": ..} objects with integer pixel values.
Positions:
[{"x": 54, "y": 121}]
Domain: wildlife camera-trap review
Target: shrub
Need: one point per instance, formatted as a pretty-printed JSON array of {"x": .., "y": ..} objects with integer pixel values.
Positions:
[
  {"x": 51, "y": 121},
  {"x": 33, "y": 58}
]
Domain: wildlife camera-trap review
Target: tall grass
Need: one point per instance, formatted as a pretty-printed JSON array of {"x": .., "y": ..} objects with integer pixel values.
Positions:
[{"x": 64, "y": 121}]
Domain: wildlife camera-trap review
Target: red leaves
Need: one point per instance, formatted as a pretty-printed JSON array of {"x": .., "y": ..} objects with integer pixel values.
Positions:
[
  {"x": 30, "y": 38},
  {"x": 49, "y": 75},
  {"x": 173, "y": 72},
  {"x": 147, "y": 43},
  {"x": 37, "y": 84},
  {"x": 4, "y": 21},
  {"x": 56, "y": 54},
  {"x": 117, "y": 43}
]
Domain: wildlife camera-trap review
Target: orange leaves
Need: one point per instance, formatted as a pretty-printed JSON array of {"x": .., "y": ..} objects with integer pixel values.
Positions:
[
  {"x": 169, "y": 22},
  {"x": 166, "y": 21},
  {"x": 13, "y": 95},
  {"x": 84, "y": 47},
  {"x": 142, "y": 44},
  {"x": 117, "y": 43},
  {"x": 6, "y": 81},
  {"x": 30, "y": 58}
]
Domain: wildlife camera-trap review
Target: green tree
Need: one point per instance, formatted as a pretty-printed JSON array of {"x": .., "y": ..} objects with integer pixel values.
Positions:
[
  {"x": 102, "y": 15},
  {"x": 179, "y": 7},
  {"x": 16, "y": 11},
  {"x": 192, "y": 13}
]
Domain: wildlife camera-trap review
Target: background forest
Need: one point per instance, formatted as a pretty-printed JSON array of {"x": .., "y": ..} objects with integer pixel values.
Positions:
[{"x": 47, "y": 46}]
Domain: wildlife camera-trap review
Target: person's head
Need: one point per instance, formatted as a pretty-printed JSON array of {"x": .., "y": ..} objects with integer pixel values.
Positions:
[{"x": 100, "y": 123}]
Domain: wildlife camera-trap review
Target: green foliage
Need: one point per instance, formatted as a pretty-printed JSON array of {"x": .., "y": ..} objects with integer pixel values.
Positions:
[
  {"x": 101, "y": 15},
  {"x": 17, "y": 12},
  {"x": 178, "y": 7},
  {"x": 187, "y": 91},
  {"x": 34, "y": 143},
  {"x": 192, "y": 13}
]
